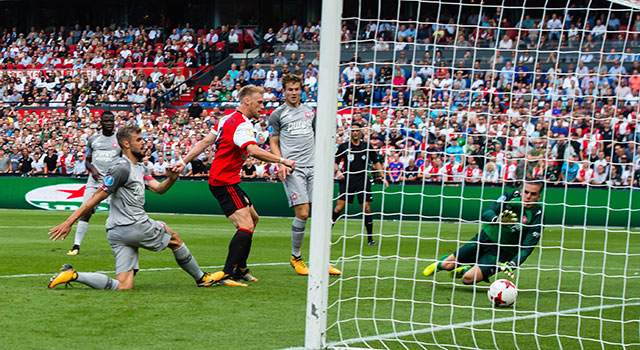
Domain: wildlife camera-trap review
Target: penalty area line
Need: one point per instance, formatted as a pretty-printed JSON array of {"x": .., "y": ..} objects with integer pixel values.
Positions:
[{"x": 395, "y": 336}]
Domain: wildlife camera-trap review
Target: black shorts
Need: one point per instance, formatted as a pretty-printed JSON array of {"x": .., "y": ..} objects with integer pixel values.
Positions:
[
  {"x": 231, "y": 198},
  {"x": 360, "y": 187}
]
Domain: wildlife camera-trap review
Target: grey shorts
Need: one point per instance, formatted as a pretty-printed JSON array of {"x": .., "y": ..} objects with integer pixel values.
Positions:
[
  {"x": 299, "y": 186},
  {"x": 125, "y": 241},
  {"x": 92, "y": 187}
]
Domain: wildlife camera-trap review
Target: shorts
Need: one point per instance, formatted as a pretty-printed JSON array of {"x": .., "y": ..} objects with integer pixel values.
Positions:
[
  {"x": 485, "y": 255},
  {"x": 231, "y": 198},
  {"x": 299, "y": 186},
  {"x": 357, "y": 186},
  {"x": 125, "y": 241}
]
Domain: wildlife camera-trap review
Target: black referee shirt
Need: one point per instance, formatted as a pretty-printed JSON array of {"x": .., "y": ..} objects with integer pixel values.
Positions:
[{"x": 357, "y": 159}]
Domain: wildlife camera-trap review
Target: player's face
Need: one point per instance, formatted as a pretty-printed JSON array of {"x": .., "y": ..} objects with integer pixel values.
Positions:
[
  {"x": 531, "y": 195},
  {"x": 136, "y": 144},
  {"x": 107, "y": 124},
  {"x": 255, "y": 105},
  {"x": 292, "y": 93}
]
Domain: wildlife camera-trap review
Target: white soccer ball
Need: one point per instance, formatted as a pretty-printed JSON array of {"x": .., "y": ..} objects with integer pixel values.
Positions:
[{"x": 502, "y": 293}]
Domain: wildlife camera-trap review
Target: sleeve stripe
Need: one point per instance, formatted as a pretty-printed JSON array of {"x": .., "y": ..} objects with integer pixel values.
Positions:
[{"x": 244, "y": 145}]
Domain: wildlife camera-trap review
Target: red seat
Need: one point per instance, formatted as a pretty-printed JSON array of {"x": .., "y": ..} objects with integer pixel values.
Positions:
[
  {"x": 10, "y": 66},
  {"x": 99, "y": 65},
  {"x": 68, "y": 66},
  {"x": 160, "y": 64},
  {"x": 149, "y": 64},
  {"x": 39, "y": 66},
  {"x": 20, "y": 66},
  {"x": 128, "y": 65},
  {"x": 181, "y": 65},
  {"x": 159, "y": 46},
  {"x": 59, "y": 66},
  {"x": 139, "y": 64}
]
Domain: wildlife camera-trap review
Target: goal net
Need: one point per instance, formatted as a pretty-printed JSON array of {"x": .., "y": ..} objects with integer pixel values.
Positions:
[{"x": 462, "y": 102}]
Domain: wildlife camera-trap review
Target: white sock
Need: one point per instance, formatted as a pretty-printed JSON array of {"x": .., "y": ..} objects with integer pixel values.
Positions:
[
  {"x": 81, "y": 230},
  {"x": 97, "y": 280}
]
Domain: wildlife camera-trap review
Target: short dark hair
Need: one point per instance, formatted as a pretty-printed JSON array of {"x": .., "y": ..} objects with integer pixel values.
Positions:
[
  {"x": 107, "y": 114},
  {"x": 538, "y": 183},
  {"x": 124, "y": 133}
]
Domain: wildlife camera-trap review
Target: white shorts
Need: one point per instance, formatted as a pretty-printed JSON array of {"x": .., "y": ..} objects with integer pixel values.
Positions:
[
  {"x": 125, "y": 241},
  {"x": 299, "y": 186}
]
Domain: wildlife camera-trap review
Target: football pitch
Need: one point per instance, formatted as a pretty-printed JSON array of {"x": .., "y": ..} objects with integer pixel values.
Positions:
[{"x": 571, "y": 291}]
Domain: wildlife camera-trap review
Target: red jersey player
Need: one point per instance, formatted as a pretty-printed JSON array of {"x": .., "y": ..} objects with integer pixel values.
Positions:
[{"x": 235, "y": 141}]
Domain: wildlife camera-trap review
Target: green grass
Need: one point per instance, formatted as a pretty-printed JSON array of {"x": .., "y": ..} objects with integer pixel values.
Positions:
[{"x": 382, "y": 291}]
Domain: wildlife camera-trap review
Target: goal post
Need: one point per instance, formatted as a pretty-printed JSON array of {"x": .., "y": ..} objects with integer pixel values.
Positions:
[
  {"x": 454, "y": 88},
  {"x": 317, "y": 291}
]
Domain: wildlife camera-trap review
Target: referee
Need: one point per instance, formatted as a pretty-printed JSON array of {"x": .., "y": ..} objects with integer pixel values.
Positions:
[{"x": 357, "y": 157}]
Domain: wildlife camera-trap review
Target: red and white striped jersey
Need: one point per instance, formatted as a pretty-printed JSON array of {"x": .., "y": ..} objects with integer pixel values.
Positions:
[{"x": 234, "y": 132}]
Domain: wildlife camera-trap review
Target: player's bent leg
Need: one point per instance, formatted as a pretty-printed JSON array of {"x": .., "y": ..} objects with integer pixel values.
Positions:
[
  {"x": 244, "y": 218},
  {"x": 94, "y": 280},
  {"x": 125, "y": 280},
  {"x": 437, "y": 266},
  {"x": 473, "y": 275},
  {"x": 187, "y": 262},
  {"x": 449, "y": 263}
]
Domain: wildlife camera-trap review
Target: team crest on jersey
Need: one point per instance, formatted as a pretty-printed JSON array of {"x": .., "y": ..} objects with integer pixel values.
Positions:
[
  {"x": 294, "y": 196},
  {"x": 309, "y": 115},
  {"x": 524, "y": 219},
  {"x": 115, "y": 145},
  {"x": 350, "y": 157}
]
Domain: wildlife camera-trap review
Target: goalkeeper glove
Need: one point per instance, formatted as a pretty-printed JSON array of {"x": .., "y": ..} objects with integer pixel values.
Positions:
[
  {"x": 508, "y": 268},
  {"x": 508, "y": 217}
]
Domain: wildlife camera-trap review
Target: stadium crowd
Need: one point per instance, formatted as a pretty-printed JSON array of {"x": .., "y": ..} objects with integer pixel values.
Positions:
[{"x": 517, "y": 115}]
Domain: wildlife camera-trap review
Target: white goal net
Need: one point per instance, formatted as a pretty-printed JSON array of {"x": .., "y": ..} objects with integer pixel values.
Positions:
[{"x": 462, "y": 102}]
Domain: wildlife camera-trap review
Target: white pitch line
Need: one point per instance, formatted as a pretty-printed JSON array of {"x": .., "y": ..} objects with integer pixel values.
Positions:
[
  {"x": 394, "y": 336},
  {"x": 151, "y": 269}
]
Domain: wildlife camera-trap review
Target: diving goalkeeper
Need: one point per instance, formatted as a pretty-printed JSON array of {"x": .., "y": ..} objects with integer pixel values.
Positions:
[{"x": 511, "y": 229}]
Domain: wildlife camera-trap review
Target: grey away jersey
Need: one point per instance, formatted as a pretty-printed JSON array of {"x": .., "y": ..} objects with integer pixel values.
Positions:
[
  {"x": 296, "y": 129},
  {"x": 104, "y": 152},
  {"x": 125, "y": 183}
]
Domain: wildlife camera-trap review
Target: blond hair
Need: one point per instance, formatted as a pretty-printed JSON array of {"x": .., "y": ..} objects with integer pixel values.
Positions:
[{"x": 249, "y": 90}]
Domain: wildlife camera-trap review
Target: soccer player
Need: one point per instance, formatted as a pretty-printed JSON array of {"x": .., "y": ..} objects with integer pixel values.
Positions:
[
  {"x": 235, "y": 140},
  {"x": 102, "y": 152},
  {"x": 511, "y": 229},
  {"x": 128, "y": 226},
  {"x": 357, "y": 157},
  {"x": 293, "y": 137}
]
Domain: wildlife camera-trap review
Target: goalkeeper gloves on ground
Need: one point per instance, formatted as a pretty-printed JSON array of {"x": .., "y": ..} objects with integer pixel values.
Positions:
[
  {"x": 508, "y": 217},
  {"x": 508, "y": 268}
]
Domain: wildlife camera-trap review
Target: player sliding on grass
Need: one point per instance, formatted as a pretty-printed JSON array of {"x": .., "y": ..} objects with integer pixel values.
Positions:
[
  {"x": 128, "y": 226},
  {"x": 511, "y": 229},
  {"x": 235, "y": 141}
]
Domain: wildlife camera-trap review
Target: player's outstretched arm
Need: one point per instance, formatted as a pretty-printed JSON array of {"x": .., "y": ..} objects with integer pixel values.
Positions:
[
  {"x": 162, "y": 187},
  {"x": 195, "y": 151},
  {"x": 257, "y": 152},
  {"x": 274, "y": 142},
  {"x": 62, "y": 230}
]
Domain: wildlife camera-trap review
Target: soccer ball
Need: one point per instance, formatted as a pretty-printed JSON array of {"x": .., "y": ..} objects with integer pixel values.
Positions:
[{"x": 502, "y": 293}]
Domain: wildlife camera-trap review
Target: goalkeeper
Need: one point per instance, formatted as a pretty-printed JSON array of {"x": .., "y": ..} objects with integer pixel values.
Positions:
[{"x": 511, "y": 229}]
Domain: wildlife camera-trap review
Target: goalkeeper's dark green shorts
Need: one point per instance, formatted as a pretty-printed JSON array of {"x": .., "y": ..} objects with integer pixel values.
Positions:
[{"x": 484, "y": 254}]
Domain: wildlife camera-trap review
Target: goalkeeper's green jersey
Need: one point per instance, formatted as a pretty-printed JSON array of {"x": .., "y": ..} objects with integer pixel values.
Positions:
[{"x": 517, "y": 239}]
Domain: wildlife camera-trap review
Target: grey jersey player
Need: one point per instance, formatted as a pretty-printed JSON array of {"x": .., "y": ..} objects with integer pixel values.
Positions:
[
  {"x": 293, "y": 137},
  {"x": 102, "y": 152},
  {"x": 128, "y": 226}
]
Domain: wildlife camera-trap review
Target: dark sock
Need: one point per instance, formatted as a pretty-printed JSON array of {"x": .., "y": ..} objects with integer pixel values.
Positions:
[
  {"x": 334, "y": 218},
  {"x": 237, "y": 249},
  {"x": 242, "y": 264},
  {"x": 368, "y": 224}
]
